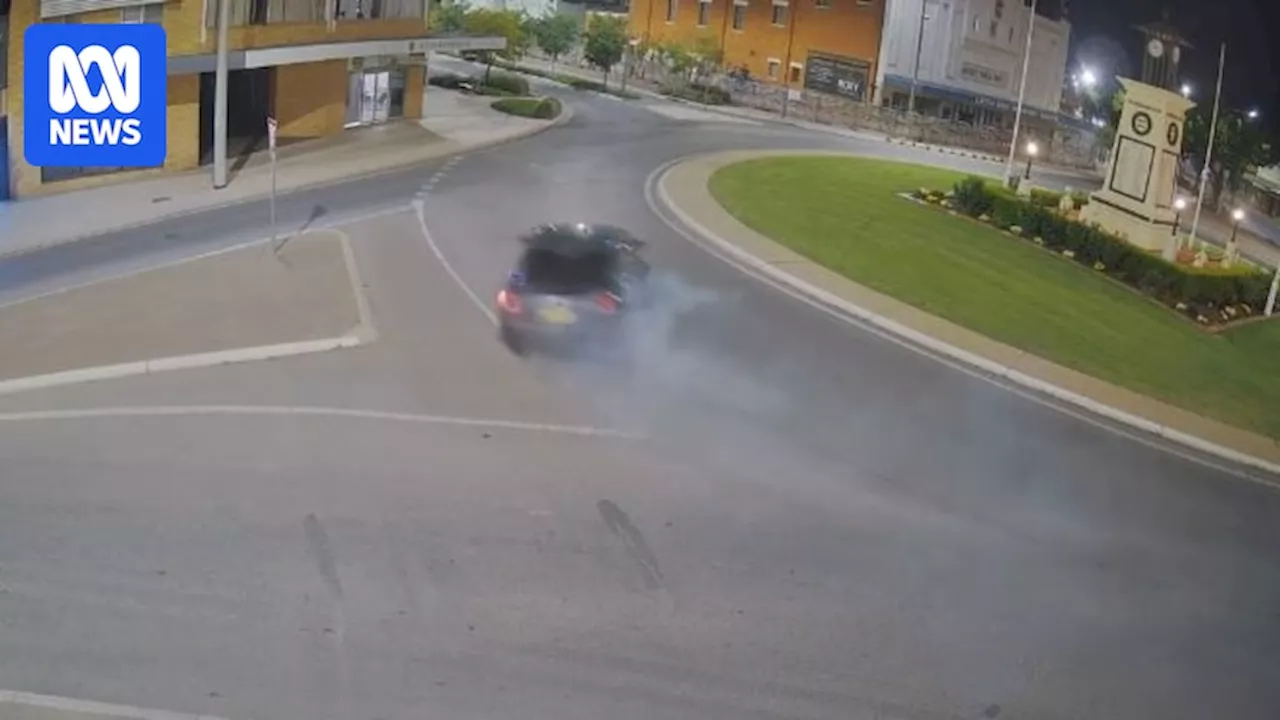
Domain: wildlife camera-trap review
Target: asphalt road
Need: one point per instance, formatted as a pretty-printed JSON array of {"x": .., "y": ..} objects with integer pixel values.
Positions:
[{"x": 807, "y": 521}]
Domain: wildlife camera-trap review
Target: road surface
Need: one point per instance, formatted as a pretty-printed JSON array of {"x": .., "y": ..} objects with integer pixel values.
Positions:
[{"x": 772, "y": 514}]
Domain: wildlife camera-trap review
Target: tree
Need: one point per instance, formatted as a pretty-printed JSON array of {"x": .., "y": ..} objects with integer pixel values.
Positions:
[
  {"x": 502, "y": 23},
  {"x": 448, "y": 17},
  {"x": 1238, "y": 144},
  {"x": 556, "y": 35},
  {"x": 606, "y": 40}
]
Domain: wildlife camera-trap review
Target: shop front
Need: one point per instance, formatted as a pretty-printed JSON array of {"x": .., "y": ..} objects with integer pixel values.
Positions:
[{"x": 375, "y": 90}]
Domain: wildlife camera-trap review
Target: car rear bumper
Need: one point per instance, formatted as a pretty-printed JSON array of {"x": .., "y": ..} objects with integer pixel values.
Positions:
[{"x": 546, "y": 336}]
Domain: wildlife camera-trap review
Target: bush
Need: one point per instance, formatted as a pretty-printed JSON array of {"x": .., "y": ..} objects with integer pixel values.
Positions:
[
  {"x": 508, "y": 83},
  {"x": 538, "y": 108},
  {"x": 1194, "y": 292},
  {"x": 447, "y": 80}
]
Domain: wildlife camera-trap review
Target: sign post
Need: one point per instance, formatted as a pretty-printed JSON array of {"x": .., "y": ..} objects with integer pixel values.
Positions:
[{"x": 271, "y": 148}]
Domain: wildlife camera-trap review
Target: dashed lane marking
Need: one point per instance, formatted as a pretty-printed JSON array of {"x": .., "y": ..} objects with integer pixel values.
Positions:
[{"x": 85, "y": 707}]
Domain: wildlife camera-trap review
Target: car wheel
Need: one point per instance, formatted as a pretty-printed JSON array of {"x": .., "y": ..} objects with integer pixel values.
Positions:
[{"x": 513, "y": 341}]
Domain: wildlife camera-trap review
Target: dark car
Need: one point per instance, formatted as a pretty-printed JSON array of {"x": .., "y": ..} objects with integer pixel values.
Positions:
[{"x": 572, "y": 284}]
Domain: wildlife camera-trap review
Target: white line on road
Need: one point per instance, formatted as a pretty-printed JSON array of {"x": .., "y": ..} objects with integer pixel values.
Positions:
[
  {"x": 9, "y": 697},
  {"x": 419, "y": 208},
  {"x": 706, "y": 240},
  {"x": 309, "y": 411}
]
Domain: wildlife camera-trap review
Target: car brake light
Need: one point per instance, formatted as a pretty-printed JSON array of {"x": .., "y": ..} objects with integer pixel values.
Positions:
[
  {"x": 607, "y": 302},
  {"x": 510, "y": 302}
]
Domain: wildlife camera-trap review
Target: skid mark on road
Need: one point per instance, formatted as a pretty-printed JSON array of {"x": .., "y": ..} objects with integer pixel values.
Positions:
[
  {"x": 633, "y": 541},
  {"x": 305, "y": 411}
]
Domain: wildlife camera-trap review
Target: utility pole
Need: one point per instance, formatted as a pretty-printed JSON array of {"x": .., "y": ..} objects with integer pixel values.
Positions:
[
  {"x": 220, "y": 98},
  {"x": 1208, "y": 152},
  {"x": 915, "y": 69},
  {"x": 1022, "y": 94}
]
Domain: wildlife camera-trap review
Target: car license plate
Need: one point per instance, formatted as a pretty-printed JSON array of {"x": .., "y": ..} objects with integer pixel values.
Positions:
[{"x": 557, "y": 315}]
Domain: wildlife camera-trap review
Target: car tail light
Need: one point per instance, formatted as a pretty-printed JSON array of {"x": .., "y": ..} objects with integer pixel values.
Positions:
[
  {"x": 607, "y": 302},
  {"x": 510, "y": 302}
]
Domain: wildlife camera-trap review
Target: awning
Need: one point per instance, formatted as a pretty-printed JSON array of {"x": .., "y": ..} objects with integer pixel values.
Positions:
[
  {"x": 965, "y": 97},
  {"x": 318, "y": 52}
]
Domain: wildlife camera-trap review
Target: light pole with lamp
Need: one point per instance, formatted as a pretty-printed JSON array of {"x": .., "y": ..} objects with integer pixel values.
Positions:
[
  {"x": 1009, "y": 174},
  {"x": 1236, "y": 216},
  {"x": 1186, "y": 90},
  {"x": 1175, "y": 243},
  {"x": 1032, "y": 150}
]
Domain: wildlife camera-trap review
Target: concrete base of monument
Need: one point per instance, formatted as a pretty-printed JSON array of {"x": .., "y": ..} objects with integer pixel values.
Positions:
[{"x": 1154, "y": 234}]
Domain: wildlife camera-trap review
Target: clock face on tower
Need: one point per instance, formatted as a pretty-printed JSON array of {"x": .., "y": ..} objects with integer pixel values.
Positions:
[
  {"x": 1155, "y": 48},
  {"x": 1172, "y": 134},
  {"x": 1141, "y": 123}
]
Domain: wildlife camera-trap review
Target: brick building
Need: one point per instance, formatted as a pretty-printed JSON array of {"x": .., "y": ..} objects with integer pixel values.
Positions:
[
  {"x": 829, "y": 45},
  {"x": 317, "y": 66}
]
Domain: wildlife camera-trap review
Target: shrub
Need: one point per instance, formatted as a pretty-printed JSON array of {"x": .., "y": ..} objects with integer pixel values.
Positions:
[
  {"x": 1193, "y": 292},
  {"x": 538, "y": 108},
  {"x": 508, "y": 83},
  {"x": 699, "y": 93},
  {"x": 447, "y": 80}
]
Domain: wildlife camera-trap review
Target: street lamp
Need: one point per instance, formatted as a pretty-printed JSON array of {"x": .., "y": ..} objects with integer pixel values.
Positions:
[
  {"x": 1032, "y": 149},
  {"x": 1236, "y": 216},
  {"x": 1186, "y": 90},
  {"x": 1087, "y": 78},
  {"x": 1252, "y": 114},
  {"x": 1179, "y": 205}
]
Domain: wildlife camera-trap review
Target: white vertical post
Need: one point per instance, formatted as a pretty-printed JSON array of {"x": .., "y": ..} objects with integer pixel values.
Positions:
[
  {"x": 220, "y": 98},
  {"x": 1271, "y": 296},
  {"x": 1208, "y": 153},
  {"x": 272, "y": 125},
  {"x": 915, "y": 69},
  {"x": 1022, "y": 94}
]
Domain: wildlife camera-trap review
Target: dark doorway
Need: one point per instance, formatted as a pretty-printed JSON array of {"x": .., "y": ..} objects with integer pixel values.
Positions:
[{"x": 248, "y": 106}]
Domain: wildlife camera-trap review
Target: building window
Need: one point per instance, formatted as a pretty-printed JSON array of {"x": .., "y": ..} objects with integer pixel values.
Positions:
[
  {"x": 773, "y": 66},
  {"x": 822, "y": 4},
  {"x": 258, "y": 12},
  {"x": 779, "y": 15},
  {"x": 704, "y": 12},
  {"x": 992, "y": 28},
  {"x": 673, "y": 6},
  {"x": 977, "y": 23},
  {"x": 864, "y": 2},
  {"x": 153, "y": 13},
  {"x": 739, "y": 17},
  {"x": 999, "y": 13},
  {"x": 795, "y": 74},
  {"x": 1010, "y": 34}
]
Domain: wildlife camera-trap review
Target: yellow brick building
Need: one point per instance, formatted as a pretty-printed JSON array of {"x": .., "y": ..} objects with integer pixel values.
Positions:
[{"x": 317, "y": 66}]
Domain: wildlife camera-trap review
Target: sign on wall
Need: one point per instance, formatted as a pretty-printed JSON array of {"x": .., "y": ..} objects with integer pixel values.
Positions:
[
  {"x": 983, "y": 74},
  {"x": 837, "y": 75}
]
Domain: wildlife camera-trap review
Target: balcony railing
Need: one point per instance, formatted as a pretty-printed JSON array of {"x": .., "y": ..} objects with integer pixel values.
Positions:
[{"x": 265, "y": 12}]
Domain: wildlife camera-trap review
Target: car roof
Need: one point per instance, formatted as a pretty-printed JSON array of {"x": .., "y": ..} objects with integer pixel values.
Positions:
[{"x": 577, "y": 238}]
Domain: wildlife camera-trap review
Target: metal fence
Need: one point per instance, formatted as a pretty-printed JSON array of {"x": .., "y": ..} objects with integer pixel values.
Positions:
[{"x": 1060, "y": 146}]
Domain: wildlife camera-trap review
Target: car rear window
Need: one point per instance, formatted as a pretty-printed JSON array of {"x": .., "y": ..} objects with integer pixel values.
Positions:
[{"x": 553, "y": 272}]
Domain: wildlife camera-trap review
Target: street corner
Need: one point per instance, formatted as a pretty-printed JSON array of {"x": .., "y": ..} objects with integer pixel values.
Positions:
[
  {"x": 27, "y": 706},
  {"x": 258, "y": 301}
]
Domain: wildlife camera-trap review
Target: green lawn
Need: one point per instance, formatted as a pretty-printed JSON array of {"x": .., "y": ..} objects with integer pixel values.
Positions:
[{"x": 845, "y": 214}]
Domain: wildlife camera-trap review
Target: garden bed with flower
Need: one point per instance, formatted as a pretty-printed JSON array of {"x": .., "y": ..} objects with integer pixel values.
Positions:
[{"x": 1080, "y": 298}]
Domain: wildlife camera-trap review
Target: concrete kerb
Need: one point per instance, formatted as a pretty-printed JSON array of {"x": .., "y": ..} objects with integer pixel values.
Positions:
[
  {"x": 950, "y": 351},
  {"x": 257, "y": 197},
  {"x": 363, "y": 333}
]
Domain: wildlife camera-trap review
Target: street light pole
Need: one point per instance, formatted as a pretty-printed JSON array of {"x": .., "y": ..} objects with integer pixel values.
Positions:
[
  {"x": 791, "y": 39},
  {"x": 1022, "y": 94},
  {"x": 1271, "y": 296},
  {"x": 915, "y": 69},
  {"x": 1230, "y": 258},
  {"x": 1208, "y": 153},
  {"x": 1032, "y": 149},
  {"x": 220, "y": 98}
]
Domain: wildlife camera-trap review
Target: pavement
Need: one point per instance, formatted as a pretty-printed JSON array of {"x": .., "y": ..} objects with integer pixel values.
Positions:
[
  {"x": 253, "y": 297},
  {"x": 451, "y": 124},
  {"x": 771, "y": 514}
]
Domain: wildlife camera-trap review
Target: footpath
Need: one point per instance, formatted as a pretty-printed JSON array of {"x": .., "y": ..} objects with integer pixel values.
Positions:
[
  {"x": 683, "y": 189},
  {"x": 453, "y": 124}
]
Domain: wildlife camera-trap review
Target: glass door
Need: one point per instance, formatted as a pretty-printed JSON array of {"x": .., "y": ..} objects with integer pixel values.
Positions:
[
  {"x": 381, "y": 96},
  {"x": 355, "y": 91},
  {"x": 368, "y": 93}
]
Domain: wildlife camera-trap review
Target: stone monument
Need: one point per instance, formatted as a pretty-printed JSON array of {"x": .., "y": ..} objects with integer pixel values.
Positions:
[{"x": 1136, "y": 199}]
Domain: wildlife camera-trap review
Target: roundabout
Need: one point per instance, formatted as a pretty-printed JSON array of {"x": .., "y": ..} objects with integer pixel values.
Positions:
[{"x": 774, "y": 513}]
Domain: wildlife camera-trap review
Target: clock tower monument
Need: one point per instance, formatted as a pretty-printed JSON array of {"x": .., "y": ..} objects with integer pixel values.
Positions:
[{"x": 1136, "y": 201}]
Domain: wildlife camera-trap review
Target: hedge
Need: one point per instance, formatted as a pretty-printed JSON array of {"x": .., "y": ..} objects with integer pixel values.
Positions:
[
  {"x": 540, "y": 108},
  {"x": 1194, "y": 292},
  {"x": 509, "y": 83}
]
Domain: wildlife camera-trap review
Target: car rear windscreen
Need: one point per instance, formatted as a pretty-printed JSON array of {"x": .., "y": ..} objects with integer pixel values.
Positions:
[{"x": 551, "y": 272}]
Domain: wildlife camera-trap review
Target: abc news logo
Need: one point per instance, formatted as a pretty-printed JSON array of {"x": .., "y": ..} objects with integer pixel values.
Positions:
[
  {"x": 69, "y": 90},
  {"x": 95, "y": 95}
]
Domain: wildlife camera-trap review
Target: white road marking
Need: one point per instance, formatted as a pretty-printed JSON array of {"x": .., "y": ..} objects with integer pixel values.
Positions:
[
  {"x": 328, "y": 225},
  {"x": 9, "y": 697},
  {"x": 654, "y": 207},
  {"x": 365, "y": 329},
  {"x": 309, "y": 411},
  {"x": 420, "y": 209}
]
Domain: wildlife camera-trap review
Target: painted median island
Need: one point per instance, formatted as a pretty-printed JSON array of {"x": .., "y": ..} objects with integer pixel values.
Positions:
[{"x": 1026, "y": 275}]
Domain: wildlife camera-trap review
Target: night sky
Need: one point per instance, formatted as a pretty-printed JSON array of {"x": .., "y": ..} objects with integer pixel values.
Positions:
[{"x": 1102, "y": 38}]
